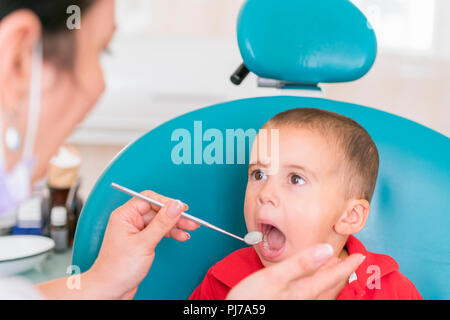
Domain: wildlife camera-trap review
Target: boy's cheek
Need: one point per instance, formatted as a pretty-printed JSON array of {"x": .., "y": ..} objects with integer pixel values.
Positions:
[
  {"x": 249, "y": 209},
  {"x": 249, "y": 217},
  {"x": 304, "y": 233}
]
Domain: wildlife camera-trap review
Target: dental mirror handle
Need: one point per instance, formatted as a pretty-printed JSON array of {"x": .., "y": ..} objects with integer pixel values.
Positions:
[{"x": 183, "y": 214}]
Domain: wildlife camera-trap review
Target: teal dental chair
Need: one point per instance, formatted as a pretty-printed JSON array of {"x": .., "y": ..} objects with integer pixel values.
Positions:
[{"x": 289, "y": 44}]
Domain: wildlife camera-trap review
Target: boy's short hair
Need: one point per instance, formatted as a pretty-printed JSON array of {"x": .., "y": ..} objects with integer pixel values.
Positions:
[{"x": 361, "y": 159}]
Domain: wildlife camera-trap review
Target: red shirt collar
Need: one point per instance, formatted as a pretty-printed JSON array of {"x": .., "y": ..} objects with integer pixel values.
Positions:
[
  {"x": 385, "y": 263},
  {"x": 241, "y": 263},
  {"x": 374, "y": 266}
]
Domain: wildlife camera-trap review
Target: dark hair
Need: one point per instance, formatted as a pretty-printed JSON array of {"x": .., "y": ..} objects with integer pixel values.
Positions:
[
  {"x": 361, "y": 159},
  {"x": 58, "y": 41}
]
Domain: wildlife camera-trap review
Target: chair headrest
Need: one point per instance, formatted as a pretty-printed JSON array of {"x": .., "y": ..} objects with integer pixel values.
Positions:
[{"x": 306, "y": 41}]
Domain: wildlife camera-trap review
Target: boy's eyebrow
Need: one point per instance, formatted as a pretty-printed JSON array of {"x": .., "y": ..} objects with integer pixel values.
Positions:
[
  {"x": 296, "y": 166},
  {"x": 255, "y": 164}
]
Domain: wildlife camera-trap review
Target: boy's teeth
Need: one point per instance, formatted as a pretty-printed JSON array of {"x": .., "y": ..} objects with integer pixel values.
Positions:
[
  {"x": 264, "y": 241},
  {"x": 277, "y": 239}
]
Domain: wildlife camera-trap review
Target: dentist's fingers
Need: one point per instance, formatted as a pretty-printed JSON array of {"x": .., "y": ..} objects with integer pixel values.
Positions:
[
  {"x": 301, "y": 264},
  {"x": 161, "y": 224},
  {"x": 327, "y": 278},
  {"x": 158, "y": 197},
  {"x": 330, "y": 262},
  {"x": 187, "y": 224},
  {"x": 276, "y": 281},
  {"x": 305, "y": 275},
  {"x": 183, "y": 223},
  {"x": 144, "y": 207},
  {"x": 178, "y": 231},
  {"x": 178, "y": 235}
]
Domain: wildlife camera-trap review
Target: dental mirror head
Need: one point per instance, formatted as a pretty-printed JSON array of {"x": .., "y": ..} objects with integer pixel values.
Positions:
[{"x": 253, "y": 238}]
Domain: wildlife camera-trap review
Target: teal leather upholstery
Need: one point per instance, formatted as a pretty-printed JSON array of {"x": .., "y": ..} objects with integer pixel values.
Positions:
[
  {"x": 409, "y": 219},
  {"x": 300, "y": 41},
  {"x": 306, "y": 41}
]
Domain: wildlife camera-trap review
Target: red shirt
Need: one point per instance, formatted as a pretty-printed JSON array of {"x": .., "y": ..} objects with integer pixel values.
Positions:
[{"x": 377, "y": 278}]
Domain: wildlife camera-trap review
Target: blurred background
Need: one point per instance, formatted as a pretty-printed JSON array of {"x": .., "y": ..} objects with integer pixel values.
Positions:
[{"x": 171, "y": 57}]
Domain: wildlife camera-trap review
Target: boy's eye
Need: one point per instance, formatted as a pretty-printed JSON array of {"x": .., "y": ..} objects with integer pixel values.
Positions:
[
  {"x": 258, "y": 175},
  {"x": 297, "y": 180}
]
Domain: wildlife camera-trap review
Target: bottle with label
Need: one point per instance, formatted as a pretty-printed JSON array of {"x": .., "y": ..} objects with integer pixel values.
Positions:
[
  {"x": 58, "y": 228},
  {"x": 63, "y": 184}
]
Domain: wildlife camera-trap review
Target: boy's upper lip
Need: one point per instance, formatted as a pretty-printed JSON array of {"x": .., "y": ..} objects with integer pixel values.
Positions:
[{"x": 263, "y": 221}]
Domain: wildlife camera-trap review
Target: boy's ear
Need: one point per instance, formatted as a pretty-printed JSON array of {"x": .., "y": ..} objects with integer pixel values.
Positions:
[{"x": 354, "y": 217}]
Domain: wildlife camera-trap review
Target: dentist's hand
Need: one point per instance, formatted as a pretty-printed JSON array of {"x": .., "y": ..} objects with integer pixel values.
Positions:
[
  {"x": 128, "y": 249},
  {"x": 304, "y": 276}
]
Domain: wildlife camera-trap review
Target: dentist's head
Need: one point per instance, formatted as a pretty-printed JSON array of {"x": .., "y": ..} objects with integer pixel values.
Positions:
[{"x": 50, "y": 78}]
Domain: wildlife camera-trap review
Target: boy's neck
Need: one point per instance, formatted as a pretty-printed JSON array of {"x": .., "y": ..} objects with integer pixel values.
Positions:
[
  {"x": 341, "y": 244},
  {"x": 344, "y": 253}
]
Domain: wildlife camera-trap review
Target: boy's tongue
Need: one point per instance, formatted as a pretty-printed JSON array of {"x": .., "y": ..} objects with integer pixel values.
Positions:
[{"x": 275, "y": 239}]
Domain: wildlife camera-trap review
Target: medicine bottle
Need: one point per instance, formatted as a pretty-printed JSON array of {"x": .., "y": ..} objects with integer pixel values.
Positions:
[{"x": 58, "y": 228}]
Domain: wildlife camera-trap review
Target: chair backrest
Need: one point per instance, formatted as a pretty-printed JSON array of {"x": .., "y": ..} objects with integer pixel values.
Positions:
[
  {"x": 306, "y": 41},
  {"x": 409, "y": 219}
]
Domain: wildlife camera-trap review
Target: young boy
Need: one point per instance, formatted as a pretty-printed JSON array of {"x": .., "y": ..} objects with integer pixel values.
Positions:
[{"x": 319, "y": 192}]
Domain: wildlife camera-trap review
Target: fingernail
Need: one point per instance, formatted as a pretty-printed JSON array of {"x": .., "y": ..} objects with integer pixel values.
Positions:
[
  {"x": 174, "y": 209},
  {"x": 188, "y": 236},
  {"x": 323, "y": 252},
  {"x": 362, "y": 259}
]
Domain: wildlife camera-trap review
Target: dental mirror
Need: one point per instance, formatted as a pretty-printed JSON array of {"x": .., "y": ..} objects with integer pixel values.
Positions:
[{"x": 251, "y": 238}]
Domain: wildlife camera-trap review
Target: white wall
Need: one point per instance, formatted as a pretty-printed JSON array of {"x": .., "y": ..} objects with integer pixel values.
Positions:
[{"x": 171, "y": 59}]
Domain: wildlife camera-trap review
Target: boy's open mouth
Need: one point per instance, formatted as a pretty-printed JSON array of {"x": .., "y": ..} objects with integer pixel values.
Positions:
[{"x": 274, "y": 241}]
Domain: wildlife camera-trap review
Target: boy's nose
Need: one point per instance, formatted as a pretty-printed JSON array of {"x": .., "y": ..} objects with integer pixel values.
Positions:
[{"x": 268, "y": 195}]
